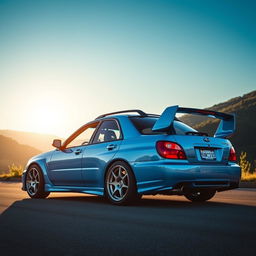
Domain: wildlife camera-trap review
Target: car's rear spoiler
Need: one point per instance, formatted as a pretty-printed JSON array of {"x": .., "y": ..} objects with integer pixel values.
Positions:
[{"x": 225, "y": 128}]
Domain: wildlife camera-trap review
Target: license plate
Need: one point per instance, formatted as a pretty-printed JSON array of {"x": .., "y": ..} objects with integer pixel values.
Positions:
[{"x": 208, "y": 154}]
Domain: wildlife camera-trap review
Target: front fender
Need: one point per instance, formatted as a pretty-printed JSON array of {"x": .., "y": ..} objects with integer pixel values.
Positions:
[{"x": 41, "y": 161}]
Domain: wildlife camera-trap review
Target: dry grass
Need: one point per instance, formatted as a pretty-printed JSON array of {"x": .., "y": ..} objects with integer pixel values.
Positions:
[
  {"x": 248, "y": 171},
  {"x": 248, "y": 176},
  {"x": 15, "y": 171}
]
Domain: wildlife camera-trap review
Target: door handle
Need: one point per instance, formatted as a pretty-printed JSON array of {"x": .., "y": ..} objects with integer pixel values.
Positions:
[
  {"x": 78, "y": 151},
  {"x": 111, "y": 146}
]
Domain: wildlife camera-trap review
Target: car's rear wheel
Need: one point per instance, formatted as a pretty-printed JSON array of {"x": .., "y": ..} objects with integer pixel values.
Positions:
[
  {"x": 120, "y": 184},
  {"x": 200, "y": 196},
  {"x": 35, "y": 182}
]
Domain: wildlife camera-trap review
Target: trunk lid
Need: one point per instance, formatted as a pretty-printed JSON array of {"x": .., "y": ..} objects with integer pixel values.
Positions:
[{"x": 202, "y": 149}]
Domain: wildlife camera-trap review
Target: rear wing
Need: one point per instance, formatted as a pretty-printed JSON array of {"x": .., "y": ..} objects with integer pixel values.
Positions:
[{"x": 225, "y": 128}]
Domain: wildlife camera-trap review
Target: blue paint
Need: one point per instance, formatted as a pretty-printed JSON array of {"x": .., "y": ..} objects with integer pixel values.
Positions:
[{"x": 66, "y": 171}]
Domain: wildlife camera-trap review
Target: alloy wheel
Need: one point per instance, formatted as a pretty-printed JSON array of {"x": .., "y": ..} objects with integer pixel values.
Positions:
[
  {"x": 117, "y": 182},
  {"x": 32, "y": 181}
]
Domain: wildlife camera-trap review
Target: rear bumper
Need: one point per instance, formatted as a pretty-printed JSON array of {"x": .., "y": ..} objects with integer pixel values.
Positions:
[{"x": 155, "y": 177}]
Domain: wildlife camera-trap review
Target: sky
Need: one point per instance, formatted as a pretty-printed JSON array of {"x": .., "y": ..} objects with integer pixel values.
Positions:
[{"x": 62, "y": 63}]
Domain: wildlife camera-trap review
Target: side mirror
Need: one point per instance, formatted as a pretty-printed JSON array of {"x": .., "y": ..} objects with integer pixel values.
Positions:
[{"x": 56, "y": 143}]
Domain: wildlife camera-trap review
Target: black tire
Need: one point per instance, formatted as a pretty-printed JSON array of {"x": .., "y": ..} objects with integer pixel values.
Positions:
[
  {"x": 35, "y": 182},
  {"x": 200, "y": 196},
  {"x": 120, "y": 184}
]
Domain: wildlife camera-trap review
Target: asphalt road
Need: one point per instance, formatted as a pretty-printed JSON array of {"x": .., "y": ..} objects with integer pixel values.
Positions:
[{"x": 77, "y": 224}]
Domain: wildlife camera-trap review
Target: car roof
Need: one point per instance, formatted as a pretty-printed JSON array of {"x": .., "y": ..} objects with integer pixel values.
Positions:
[
  {"x": 125, "y": 116},
  {"x": 116, "y": 114}
]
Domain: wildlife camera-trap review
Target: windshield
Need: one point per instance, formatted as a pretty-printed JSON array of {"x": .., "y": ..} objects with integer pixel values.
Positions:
[{"x": 145, "y": 124}]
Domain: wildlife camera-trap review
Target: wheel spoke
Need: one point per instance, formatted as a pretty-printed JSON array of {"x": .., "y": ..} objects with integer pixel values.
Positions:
[
  {"x": 114, "y": 175},
  {"x": 119, "y": 172},
  {"x": 112, "y": 179},
  {"x": 115, "y": 190},
  {"x": 120, "y": 192},
  {"x": 125, "y": 176},
  {"x": 34, "y": 174},
  {"x": 36, "y": 177},
  {"x": 28, "y": 185}
]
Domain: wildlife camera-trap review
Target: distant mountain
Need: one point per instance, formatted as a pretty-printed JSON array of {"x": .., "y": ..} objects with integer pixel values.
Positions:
[
  {"x": 13, "y": 152},
  {"x": 17, "y": 147},
  {"x": 244, "y": 107},
  {"x": 42, "y": 142}
]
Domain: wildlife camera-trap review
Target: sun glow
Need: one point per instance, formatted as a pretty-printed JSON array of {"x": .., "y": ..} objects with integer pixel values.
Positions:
[
  {"x": 50, "y": 110},
  {"x": 46, "y": 116}
]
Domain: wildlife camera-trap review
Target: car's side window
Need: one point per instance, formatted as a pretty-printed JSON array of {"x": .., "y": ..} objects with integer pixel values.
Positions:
[
  {"x": 108, "y": 131},
  {"x": 83, "y": 137}
]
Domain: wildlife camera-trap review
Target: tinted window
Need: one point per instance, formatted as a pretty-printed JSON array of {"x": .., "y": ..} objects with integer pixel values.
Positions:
[
  {"x": 145, "y": 124},
  {"x": 108, "y": 131}
]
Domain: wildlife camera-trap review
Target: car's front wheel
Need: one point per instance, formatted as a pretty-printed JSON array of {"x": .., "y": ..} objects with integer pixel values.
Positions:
[
  {"x": 120, "y": 184},
  {"x": 200, "y": 196},
  {"x": 35, "y": 182}
]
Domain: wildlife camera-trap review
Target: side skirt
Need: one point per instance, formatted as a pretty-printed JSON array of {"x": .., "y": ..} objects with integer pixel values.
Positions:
[{"x": 86, "y": 190}]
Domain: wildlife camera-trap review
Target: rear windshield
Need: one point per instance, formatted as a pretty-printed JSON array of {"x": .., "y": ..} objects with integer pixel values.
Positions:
[{"x": 145, "y": 124}]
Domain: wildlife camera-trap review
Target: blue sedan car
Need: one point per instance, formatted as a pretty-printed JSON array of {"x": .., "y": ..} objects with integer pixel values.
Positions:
[{"x": 127, "y": 154}]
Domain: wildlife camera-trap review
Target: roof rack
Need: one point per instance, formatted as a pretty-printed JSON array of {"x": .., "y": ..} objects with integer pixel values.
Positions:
[{"x": 140, "y": 112}]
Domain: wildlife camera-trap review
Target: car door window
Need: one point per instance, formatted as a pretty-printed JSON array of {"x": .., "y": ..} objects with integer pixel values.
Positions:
[
  {"x": 108, "y": 131},
  {"x": 83, "y": 137}
]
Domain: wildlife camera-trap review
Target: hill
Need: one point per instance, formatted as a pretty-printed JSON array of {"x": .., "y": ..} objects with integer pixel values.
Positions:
[
  {"x": 22, "y": 145},
  {"x": 42, "y": 142},
  {"x": 244, "y": 107},
  {"x": 13, "y": 152}
]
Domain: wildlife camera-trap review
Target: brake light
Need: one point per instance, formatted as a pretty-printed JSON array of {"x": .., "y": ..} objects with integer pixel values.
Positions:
[
  {"x": 170, "y": 150},
  {"x": 232, "y": 155}
]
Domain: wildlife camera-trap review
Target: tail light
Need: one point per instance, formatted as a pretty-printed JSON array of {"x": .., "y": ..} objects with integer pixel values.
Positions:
[
  {"x": 232, "y": 155},
  {"x": 170, "y": 150}
]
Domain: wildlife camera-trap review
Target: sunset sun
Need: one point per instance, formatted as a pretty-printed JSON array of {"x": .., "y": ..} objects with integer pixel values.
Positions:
[{"x": 46, "y": 117}]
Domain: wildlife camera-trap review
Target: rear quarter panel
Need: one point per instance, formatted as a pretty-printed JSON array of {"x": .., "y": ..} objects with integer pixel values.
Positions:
[{"x": 141, "y": 151}]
